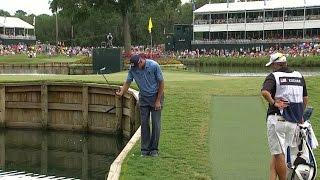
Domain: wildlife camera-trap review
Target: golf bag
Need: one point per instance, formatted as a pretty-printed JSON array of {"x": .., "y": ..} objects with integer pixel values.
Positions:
[{"x": 300, "y": 160}]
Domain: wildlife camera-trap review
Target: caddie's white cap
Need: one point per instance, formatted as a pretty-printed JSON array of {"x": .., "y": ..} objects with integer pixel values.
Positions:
[{"x": 276, "y": 57}]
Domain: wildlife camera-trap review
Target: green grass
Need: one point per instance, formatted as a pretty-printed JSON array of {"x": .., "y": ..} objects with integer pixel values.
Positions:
[
  {"x": 23, "y": 59},
  {"x": 238, "y": 138},
  {"x": 184, "y": 142}
]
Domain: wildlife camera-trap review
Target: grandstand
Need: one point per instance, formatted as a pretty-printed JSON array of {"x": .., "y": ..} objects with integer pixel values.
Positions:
[
  {"x": 257, "y": 22},
  {"x": 14, "y": 30}
]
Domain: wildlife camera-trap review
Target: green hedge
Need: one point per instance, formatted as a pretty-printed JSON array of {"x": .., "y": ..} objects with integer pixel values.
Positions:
[
  {"x": 312, "y": 61},
  {"x": 84, "y": 60}
]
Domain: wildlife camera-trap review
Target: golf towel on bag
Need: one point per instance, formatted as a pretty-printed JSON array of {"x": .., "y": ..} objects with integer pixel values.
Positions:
[{"x": 313, "y": 142}]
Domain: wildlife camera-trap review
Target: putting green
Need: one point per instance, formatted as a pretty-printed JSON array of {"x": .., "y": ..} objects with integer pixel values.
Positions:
[{"x": 238, "y": 140}]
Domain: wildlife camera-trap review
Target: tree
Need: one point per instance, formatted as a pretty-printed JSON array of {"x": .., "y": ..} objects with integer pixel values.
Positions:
[
  {"x": 20, "y": 13},
  {"x": 44, "y": 31},
  {"x": 4, "y": 13},
  {"x": 84, "y": 7},
  {"x": 185, "y": 14}
]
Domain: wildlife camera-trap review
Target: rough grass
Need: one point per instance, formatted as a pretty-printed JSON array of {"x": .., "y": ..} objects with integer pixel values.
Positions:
[{"x": 184, "y": 142}]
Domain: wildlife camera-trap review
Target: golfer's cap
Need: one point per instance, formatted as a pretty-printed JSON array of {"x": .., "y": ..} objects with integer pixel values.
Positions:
[
  {"x": 134, "y": 60},
  {"x": 275, "y": 58}
]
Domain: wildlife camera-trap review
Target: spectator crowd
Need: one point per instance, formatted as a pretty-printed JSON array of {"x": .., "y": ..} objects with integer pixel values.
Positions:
[
  {"x": 47, "y": 49},
  {"x": 295, "y": 50}
]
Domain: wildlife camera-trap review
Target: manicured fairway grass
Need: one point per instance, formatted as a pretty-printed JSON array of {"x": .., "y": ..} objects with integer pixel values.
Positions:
[
  {"x": 184, "y": 142},
  {"x": 23, "y": 59},
  {"x": 238, "y": 138}
]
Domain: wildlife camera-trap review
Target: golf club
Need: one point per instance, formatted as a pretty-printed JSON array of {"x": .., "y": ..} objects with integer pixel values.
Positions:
[{"x": 101, "y": 72}]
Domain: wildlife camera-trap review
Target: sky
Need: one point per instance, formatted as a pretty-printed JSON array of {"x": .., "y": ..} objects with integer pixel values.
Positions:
[{"x": 36, "y": 7}]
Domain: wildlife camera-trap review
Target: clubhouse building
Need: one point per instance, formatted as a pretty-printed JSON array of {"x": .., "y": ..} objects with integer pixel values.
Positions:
[
  {"x": 257, "y": 22},
  {"x": 14, "y": 30}
]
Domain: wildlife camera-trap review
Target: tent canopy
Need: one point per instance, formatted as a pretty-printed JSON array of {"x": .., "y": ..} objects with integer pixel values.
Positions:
[
  {"x": 14, "y": 22},
  {"x": 256, "y": 5}
]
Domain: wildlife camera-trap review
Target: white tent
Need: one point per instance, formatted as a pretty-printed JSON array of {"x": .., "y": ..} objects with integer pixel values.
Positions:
[
  {"x": 256, "y": 5},
  {"x": 14, "y": 22}
]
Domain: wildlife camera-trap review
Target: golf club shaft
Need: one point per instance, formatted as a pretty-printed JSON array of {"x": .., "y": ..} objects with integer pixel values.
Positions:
[{"x": 105, "y": 78}]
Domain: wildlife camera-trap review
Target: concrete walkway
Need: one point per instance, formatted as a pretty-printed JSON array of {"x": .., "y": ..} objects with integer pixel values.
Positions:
[{"x": 238, "y": 140}]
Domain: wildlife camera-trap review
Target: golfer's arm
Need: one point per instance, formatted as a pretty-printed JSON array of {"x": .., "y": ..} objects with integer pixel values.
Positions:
[
  {"x": 125, "y": 87},
  {"x": 267, "y": 96},
  {"x": 160, "y": 90}
]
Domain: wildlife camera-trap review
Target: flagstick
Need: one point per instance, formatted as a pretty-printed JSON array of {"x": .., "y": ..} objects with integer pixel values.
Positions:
[{"x": 151, "y": 39}]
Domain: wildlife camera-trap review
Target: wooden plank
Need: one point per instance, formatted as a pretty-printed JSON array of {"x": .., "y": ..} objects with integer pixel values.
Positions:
[
  {"x": 85, "y": 107},
  {"x": 23, "y": 97},
  {"x": 101, "y": 91},
  {"x": 101, "y": 99},
  {"x": 137, "y": 116},
  {"x": 23, "y": 88},
  {"x": 2, "y": 106},
  {"x": 63, "y": 106},
  {"x": 65, "y": 97},
  {"x": 126, "y": 111},
  {"x": 65, "y": 88},
  {"x": 132, "y": 117},
  {"x": 127, "y": 95},
  {"x": 101, "y": 108},
  {"x": 44, "y": 106},
  {"x": 23, "y": 105},
  {"x": 119, "y": 110}
]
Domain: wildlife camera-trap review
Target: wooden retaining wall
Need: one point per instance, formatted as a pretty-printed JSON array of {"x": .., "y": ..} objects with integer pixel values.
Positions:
[
  {"x": 46, "y": 68},
  {"x": 65, "y": 106}
]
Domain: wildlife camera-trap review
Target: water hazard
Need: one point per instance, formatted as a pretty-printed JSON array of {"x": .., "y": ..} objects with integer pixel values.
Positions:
[{"x": 34, "y": 153}]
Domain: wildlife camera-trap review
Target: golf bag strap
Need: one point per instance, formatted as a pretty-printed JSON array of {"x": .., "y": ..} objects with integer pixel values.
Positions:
[
  {"x": 289, "y": 156},
  {"x": 293, "y": 173}
]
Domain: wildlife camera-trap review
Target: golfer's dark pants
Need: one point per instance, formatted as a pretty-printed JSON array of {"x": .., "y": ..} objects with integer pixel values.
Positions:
[{"x": 150, "y": 137}]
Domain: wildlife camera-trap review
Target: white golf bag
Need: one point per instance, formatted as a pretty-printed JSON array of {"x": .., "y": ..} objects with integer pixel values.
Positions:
[{"x": 300, "y": 160}]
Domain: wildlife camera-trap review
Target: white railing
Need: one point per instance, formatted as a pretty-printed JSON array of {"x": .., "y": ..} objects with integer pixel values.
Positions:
[
  {"x": 255, "y": 20},
  {"x": 29, "y": 37},
  {"x": 253, "y": 41}
]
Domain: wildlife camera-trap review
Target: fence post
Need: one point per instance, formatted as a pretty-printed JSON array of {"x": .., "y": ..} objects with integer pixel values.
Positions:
[
  {"x": 2, "y": 106},
  {"x": 132, "y": 115},
  {"x": 119, "y": 111},
  {"x": 85, "y": 108},
  {"x": 44, "y": 105}
]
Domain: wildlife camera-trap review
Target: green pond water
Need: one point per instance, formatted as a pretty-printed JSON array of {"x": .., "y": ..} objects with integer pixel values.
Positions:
[{"x": 57, "y": 153}]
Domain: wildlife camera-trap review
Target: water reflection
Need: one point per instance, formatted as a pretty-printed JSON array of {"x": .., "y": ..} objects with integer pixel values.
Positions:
[
  {"x": 62, "y": 154},
  {"x": 249, "y": 70}
]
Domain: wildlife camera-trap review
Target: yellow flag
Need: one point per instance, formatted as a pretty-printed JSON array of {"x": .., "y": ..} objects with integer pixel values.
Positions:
[{"x": 150, "y": 26}]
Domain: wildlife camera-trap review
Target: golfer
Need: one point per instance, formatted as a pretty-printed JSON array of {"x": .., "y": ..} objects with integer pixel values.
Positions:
[{"x": 148, "y": 76}]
